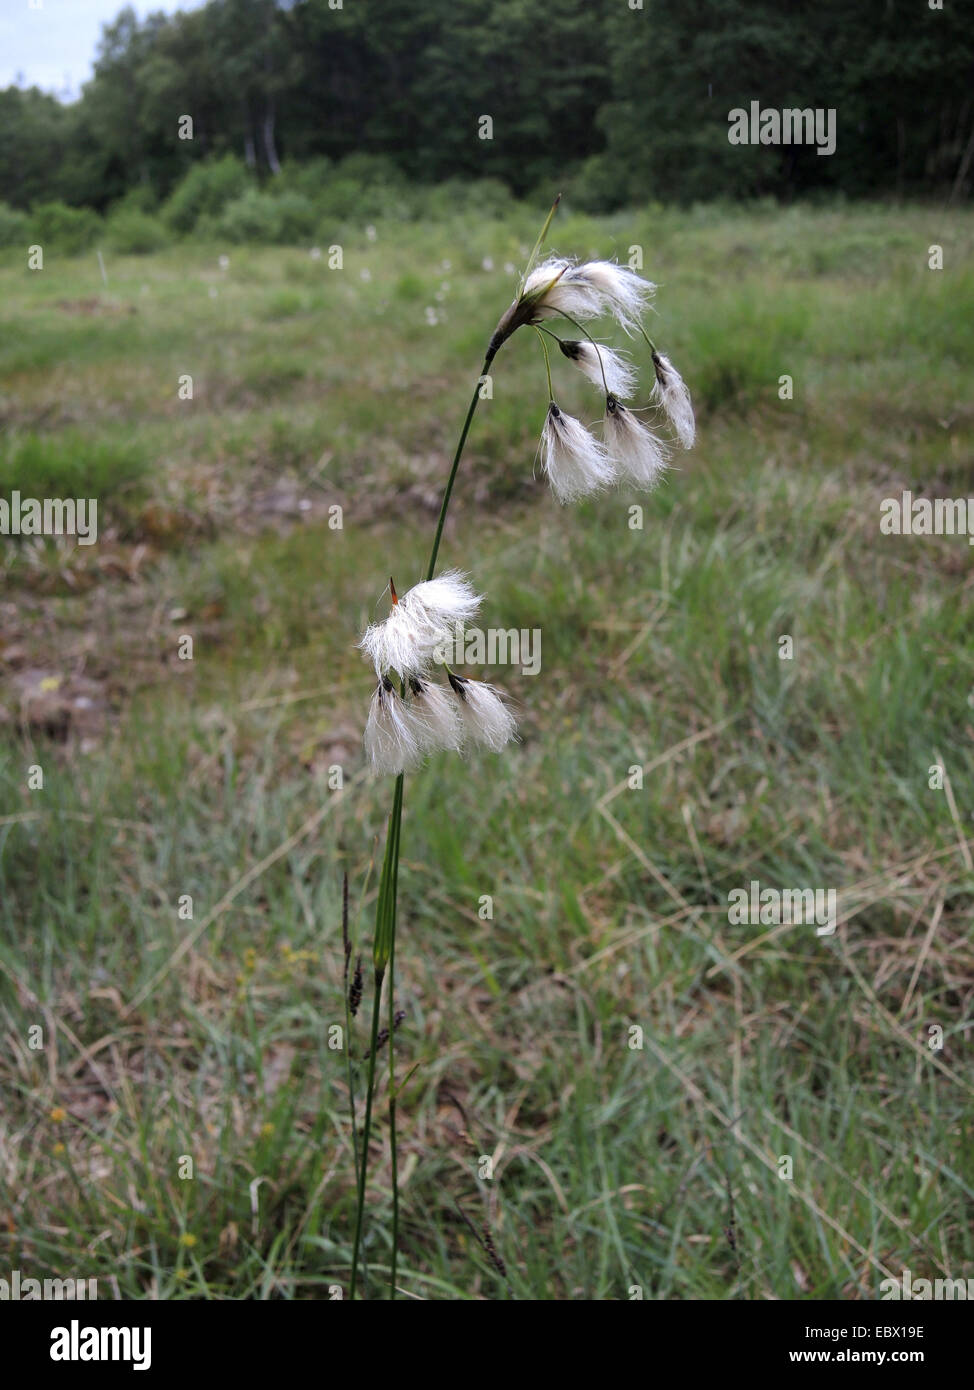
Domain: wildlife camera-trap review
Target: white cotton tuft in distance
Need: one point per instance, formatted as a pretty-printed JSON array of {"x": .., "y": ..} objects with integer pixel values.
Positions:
[
  {"x": 575, "y": 461},
  {"x": 671, "y": 393},
  {"x": 638, "y": 454},
  {"x": 486, "y": 718},
  {"x": 424, "y": 618},
  {"x": 392, "y": 742},
  {"x": 437, "y": 711},
  {"x": 605, "y": 368}
]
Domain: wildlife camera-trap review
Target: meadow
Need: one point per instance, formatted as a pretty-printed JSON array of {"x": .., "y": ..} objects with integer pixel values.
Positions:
[{"x": 637, "y": 1068}]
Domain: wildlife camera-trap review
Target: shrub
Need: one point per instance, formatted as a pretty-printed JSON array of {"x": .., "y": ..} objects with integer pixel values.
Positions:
[
  {"x": 297, "y": 217},
  {"x": 71, "y": 230},
  {"x": 14, "y": 227},
  {"x": 206, "y": 191},
  {"x": 252, "y": 217},
  {"x": 596, "y": 186},
  {"x": 134, "y": 233}
]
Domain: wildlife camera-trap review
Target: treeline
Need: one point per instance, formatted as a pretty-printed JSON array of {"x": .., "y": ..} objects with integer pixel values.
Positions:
[{"x": 616, "y": 101}]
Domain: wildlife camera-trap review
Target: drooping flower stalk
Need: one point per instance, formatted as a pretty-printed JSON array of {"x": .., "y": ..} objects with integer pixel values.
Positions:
[{"x": 415, "y": 715}]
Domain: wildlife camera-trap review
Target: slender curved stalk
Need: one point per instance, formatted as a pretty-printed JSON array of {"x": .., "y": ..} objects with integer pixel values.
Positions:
[
  {"x": 547, "y": 363},
  {"x": 384, "y": 949},
  {"x": 444, "y": 506},
  {"x": 380, "y": 961},
  {"x": 385, "y": 918}
]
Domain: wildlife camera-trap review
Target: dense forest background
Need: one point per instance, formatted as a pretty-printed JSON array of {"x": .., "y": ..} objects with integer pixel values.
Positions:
[{"x": 616, "y": 104}]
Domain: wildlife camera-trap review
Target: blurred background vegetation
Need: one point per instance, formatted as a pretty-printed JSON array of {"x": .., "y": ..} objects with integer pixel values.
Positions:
[
  {"x": 303, "y": 112},
  {"x": 316, "y": 386}
]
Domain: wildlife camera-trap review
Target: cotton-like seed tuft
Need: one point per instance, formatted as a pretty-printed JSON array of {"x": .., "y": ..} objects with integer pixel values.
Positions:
[
  {"x": 426, "y": 617},
  {"x": 392, "y": 742},
  {"x": 605, "y": 368},
  {"x": 637, "y": 453},
  {"x": 486, "y": 718},
  {"x": 671, "y": 393},
  {"x": 574, "y": 460}
]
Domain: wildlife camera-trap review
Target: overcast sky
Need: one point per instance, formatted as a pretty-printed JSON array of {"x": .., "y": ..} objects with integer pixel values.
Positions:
[{"x": 53, "y": 46}]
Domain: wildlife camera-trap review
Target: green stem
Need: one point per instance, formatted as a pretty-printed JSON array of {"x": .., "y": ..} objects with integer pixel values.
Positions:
[
  {"x": 547, "y": 363},
  {"x": 384, "y": 949},
  {"x": 649, "y": 342},
  {"x": 384, "y": 926},
  {"x": 541, "y": 238},
  {"x": 430, "y": 568},
  {"x": 393, "y": 1145},
  {"x": 592, "y": 341}
]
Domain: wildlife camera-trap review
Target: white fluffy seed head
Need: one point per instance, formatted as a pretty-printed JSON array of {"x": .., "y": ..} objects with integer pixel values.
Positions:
[
  {"x": 437, "y": 712},
  {"x": 585, "y": 291},
  {"x": 486, "y": 718},
  {"x": 606, "y": 369},
  {"x": 575, "y": 461},
  {"x": 424, "y": 618},
  {"x": 671, "y": 393},
  {"x": 392, "y": 742},
  {"x": 554, "y": 288},
  {"x": 639, "y": 455},
  {"x": 621, "y": 292}
]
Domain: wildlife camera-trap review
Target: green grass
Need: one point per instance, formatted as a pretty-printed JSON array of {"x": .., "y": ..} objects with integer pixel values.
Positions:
[{"x": 614, "y": 1165}]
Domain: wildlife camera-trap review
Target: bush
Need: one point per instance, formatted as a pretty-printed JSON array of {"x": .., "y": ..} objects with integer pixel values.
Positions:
[
  {"x": 206, "y": 191},
  {"x": 307, "y": 179},
  {"x": 597, "y": 186},
  {"x": 298, "y": 217},
  {"x": 71, "y": 230},
  {"x": 134, "y": 233},
  {"x": 14, "y": 227},
  {"x": 251, "y": 217},
  {"x": 482, "y": 197},
  {"x": 288, "y": 219}
]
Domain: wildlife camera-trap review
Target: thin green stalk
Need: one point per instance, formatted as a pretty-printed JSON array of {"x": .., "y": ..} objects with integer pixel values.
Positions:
[
  {"x": 547, "y": 363},
  {"x": 444, "y": 506},
  {"x": 649, "y": 342},
  {"x": 380, "y": 960},
  {"x": 393, "y": 1145},
  {"x": 541, "y": 238},
  {"x": 384, "y": 949},
  {"x": 348, "y": 1021},
  {"x": 592, "y": 341}
]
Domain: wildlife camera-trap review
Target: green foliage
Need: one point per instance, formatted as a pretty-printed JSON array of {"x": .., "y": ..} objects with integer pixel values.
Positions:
[
  {"x": 69, "y": 464},
  {"x": 205, "y": 191},
  {"x": 135, "y": 233},
  {"x": 14, "y": 227},
  {"x": 65, "y": 229},
  {"x": 611, "y": 104}
]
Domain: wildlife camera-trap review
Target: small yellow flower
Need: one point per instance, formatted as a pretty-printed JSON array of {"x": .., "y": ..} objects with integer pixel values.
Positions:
[
  {"x": 58, "y": 1150},
  {"x": 187, "y": 1240},
  {"x": 59, "y": 1115},
  {"x": 266, "y": 1130},
  {"x": 250, "y": 958},
  {"x": 182, "y": 1273}
]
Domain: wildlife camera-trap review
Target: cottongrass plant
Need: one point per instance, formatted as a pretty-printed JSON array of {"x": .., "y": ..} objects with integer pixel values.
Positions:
[{"x": 420, "y": 705}]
